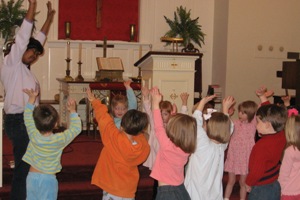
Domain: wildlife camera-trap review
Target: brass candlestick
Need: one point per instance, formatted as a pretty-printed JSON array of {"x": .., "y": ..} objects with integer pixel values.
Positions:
[
  {"x": 132, "y": 32},
  {"x": 68, "y": 30},
  {"x": 79, "y": 77},
  {"x": 68, "y": 77}
]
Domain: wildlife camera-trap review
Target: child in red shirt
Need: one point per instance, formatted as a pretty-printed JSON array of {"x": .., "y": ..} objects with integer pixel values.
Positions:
[{"x": 264, "y": 163}]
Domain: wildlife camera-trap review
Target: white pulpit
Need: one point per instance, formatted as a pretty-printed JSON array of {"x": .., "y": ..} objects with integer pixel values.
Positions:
[{"x": 172, "y": 72}]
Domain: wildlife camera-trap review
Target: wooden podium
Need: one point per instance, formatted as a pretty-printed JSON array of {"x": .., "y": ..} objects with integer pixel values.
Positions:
[{"x": 173, "y": 73}]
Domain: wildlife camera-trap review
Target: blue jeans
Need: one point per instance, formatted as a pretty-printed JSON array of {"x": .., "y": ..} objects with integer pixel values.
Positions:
[
  {"x": 15, "y": 129},
  {"x": 265, "y": 192},
  {"x": 168, "y": 192},
  {"x": 41, "y": 186}
]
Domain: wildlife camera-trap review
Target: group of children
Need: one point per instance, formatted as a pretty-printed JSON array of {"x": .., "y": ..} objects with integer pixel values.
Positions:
[{"x": 184, "y": 153}]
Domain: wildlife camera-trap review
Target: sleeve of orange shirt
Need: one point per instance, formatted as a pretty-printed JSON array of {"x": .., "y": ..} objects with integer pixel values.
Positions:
[
  {"x": 106, "y": 125},
  {"x": 117, "y": 141}
]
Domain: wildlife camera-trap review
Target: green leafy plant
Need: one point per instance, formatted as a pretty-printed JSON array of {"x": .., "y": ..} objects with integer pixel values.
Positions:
[
  {"x": 184, "y": 27},
  {"x": 11, "y": 15}
]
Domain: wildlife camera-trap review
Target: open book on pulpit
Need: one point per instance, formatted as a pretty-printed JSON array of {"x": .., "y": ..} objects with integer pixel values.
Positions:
[{"x": 110, "y": 63}]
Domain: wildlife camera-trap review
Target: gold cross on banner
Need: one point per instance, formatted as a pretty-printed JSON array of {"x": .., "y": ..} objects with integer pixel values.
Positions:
[{"x": 98, "y": 15}]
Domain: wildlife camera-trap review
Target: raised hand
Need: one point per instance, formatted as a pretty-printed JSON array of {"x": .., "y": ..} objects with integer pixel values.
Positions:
[
  {"x": 145, "y": 92},
  {"x": 263, "y": 93},
  {"x": 184, "y": 98},
  {"x": 228, "y": 103},
  {"x": 32, "y": 95},
  {"x": 286, "y": 100},
  {"x": 71, "y": 105},
  {"x": 90, "y": 95},
  {"x": 156, "y": 97},
  {"x": 127, "y": 84},
  {"x": 51, "y": 12},
  {"x": 204, "y": 101}
]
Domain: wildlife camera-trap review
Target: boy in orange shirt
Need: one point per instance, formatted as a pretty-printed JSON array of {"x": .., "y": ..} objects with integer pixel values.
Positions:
[{"x": 116, "y": 171}]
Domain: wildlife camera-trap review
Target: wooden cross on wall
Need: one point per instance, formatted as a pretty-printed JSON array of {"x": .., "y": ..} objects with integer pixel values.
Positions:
[{"x": 98, "y": 15}]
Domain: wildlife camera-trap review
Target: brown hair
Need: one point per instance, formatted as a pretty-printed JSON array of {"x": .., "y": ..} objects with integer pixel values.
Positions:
[
  {"x": 218, "y": 127},
  {"x": 45, "y": 117},
  {"x": 276, "y": 115},
  {"x": 134, "y": 122},
  {"x": 292, "y": 131},
  {"x": 249, "y": 108},
  {"x": 182, "y": 131},
  {"x": 166, "y": 105}
]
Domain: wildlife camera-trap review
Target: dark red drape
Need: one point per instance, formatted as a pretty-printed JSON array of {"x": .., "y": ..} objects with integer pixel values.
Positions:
[{"x": 116, "y": 17}]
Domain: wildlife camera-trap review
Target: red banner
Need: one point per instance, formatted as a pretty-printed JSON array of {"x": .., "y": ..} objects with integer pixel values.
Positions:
[{"x": 115, "y": 17}]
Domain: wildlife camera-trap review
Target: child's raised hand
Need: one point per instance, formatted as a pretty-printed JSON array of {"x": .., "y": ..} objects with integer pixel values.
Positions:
[
  {"x": 145, "y": 92},
  {"x": 90, "y": 95},
  {"x": 228, "y": 103},
  {"x": 174, "y": 109},
  {"x": 32, "y": 95},
  {"x": 184, "y": 97},
  {"x": 204, "y": 101},
  {"x": 71, "y": 105},
  {"x": 286, "y": 100},
  {"x": 156, "y": 97},
  {"x": 269, "y": 93},
  {"x": 127, "y": 84},
  {"x": 263, "y": 93}
]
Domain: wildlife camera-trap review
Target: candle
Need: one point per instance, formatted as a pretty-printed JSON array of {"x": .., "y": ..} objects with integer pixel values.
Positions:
[
  {"x": 68, "y": 49},
  {"x": 80, "y": 49}
]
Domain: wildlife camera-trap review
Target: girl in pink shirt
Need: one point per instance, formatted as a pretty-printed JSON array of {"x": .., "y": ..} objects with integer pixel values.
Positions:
[
  {"x": 289, "y": 174},
  {"x": 176, "y": 142}
]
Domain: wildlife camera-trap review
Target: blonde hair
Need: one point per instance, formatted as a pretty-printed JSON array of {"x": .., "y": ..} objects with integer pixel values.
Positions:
[
  {"x": 218, "y": 127},
  {"x": 118, "y": 98},
  {"x": 182, "y": 131},
  {"x": 249, "y": 108},
  {"x": 292, "y": 131}
]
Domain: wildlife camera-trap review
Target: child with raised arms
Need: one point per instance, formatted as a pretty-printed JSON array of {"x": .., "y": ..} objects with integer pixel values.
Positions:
[
  {"x": 45, "y": 148},
  {"x": 204, "y": 171},
  {"x": 176, "y": 141},
  {"x": 116, "y": 171},
  {"x": 240, "y": 146},
  {"x": 289, "y": 174}
]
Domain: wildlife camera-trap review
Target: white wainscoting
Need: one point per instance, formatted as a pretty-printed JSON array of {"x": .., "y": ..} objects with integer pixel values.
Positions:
[{"x": 56, "y": 66}]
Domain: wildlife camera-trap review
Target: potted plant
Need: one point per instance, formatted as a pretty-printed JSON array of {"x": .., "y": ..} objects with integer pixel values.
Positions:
[
  {"x": 11, "y": 16},
  {"x": 184, "y": 27}
]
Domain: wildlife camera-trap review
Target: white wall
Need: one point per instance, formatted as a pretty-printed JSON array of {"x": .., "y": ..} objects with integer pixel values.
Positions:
[
  {"x": 253, "y": 23},
  {"x": 233, "y": 29}
]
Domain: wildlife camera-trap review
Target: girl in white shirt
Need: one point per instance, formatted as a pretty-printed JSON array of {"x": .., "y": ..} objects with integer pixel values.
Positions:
[{"x": 204, "y": 171}]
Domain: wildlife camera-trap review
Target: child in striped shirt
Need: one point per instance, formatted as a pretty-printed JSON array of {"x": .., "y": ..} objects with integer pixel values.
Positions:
[{"x": 44, "y": 150}]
